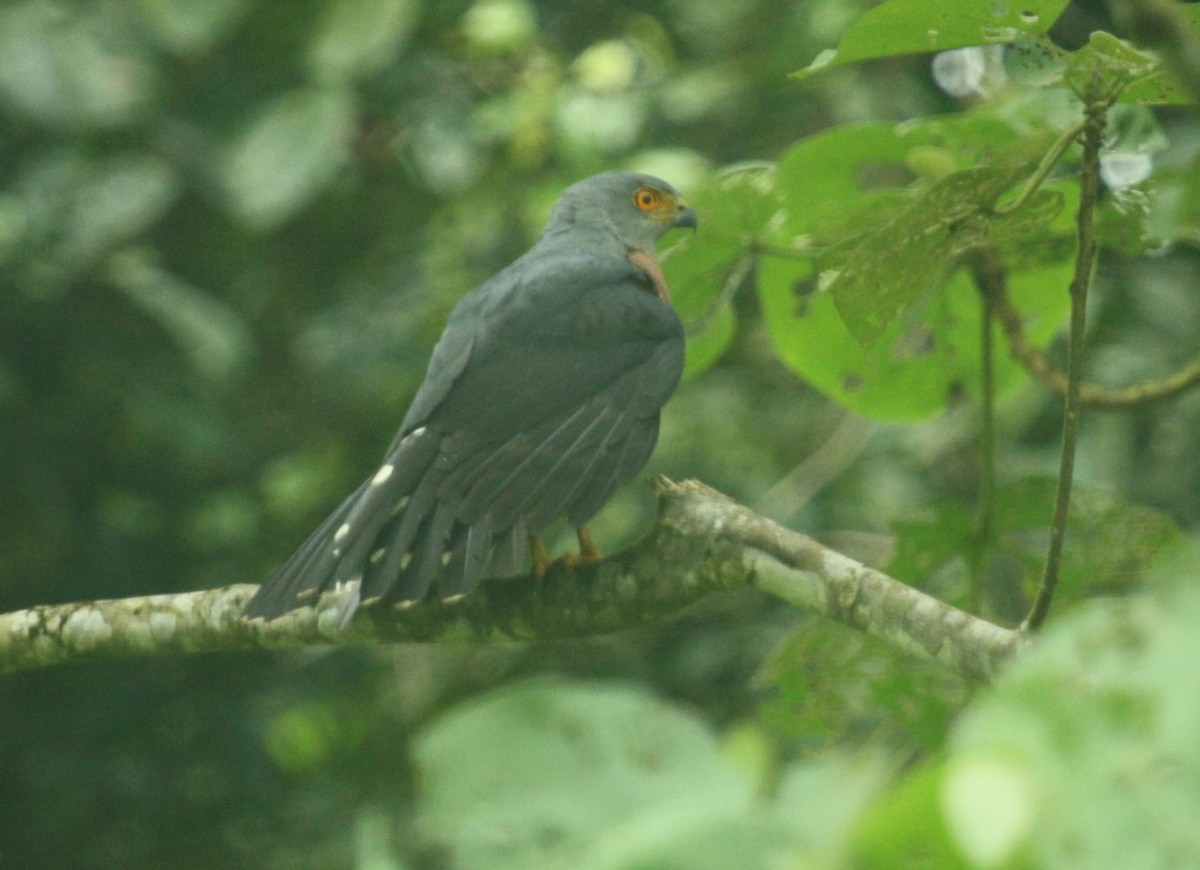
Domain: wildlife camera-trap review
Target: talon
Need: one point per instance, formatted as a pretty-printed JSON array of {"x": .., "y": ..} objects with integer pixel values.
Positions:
[{"x": 588, "y": 551}]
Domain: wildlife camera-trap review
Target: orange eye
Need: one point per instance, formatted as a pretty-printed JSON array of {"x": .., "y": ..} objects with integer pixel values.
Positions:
[{"x": 646, "y": 199}]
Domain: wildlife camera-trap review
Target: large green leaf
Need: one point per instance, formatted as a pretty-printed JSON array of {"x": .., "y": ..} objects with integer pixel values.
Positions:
[
  {"x": 922, "y": 361},
  {"x": 913, "y": 26},
  {"x": 875, "y": 275},
  {"x": 887, "y": 327},
  {"x": 1096, "y": 734},
  {"x": 595, "y": 776},
  {"x": 548, "y": 774},
  {"x": 1085, "y": 755}
]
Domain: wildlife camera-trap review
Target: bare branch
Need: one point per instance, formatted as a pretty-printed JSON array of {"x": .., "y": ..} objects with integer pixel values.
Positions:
[{"x": 703, "y": 542}]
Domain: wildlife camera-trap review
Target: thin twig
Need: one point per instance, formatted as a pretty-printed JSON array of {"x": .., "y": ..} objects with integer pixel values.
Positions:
[
  {"x": 1039, "y": 175},
  {"x": 1039, "y": 365},
  {"x": 1096, "y": 110}
]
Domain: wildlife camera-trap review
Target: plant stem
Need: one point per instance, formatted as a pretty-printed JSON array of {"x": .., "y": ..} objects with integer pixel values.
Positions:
[
  {"x": 1096, "y": 110},
  {"x": 1039, "y": 175}
]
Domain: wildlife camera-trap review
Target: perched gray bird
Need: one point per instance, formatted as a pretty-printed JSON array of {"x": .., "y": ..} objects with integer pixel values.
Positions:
[{"x": 541, "y": 398}]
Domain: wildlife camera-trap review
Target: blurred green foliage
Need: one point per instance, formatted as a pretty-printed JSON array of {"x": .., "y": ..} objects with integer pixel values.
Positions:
[{"x": 229, "y": 234}]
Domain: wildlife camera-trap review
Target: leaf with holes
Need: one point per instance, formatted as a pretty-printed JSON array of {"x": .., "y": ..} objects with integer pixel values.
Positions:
[{"x": 914, "y": 26}]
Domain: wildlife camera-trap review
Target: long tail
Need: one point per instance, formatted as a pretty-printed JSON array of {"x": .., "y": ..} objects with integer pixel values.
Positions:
[{"x": 377, "y": 533}]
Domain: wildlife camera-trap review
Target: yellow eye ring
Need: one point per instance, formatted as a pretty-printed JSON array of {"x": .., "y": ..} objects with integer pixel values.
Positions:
[{"x": 646, "y": 199}]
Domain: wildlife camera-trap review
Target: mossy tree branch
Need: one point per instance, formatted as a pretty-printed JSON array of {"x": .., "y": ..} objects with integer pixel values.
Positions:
[{"x": 703, "y": 542}]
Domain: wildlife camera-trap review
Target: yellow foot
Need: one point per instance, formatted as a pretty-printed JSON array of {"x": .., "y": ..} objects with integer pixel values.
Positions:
[{"x": 588, "y": 551}]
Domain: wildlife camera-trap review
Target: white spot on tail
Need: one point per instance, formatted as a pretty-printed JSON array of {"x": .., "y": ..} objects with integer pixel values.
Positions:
[
  {"x": 404, "y": 560},
  {"x": 446, "y": 558},
  {"x": 343, "y": 530},
  {"x": 377, "y": 555},
  {"x": 382, "y": 474}
]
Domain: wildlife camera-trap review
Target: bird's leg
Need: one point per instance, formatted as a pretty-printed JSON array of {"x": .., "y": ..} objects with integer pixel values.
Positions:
[
  {"x": 588, "y": 551},
  {"x": 541, "y": 558}
]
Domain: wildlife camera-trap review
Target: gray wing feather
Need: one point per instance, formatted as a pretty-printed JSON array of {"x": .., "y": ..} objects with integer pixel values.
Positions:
[{"x": 542, "y": 396}]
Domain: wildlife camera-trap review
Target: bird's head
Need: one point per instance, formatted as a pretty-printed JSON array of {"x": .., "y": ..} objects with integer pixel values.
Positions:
[{"x": 637, "y": 209}]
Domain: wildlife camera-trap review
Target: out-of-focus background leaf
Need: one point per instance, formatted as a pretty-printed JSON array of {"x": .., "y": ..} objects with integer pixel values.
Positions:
[{"x": 230, "y": 232}]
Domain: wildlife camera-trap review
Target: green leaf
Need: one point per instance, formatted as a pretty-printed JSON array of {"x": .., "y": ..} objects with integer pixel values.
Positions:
[
  {"x": 922, "y": 362},
  {"x": 830, "y": 684},
  {"x": 288, "y": 154},
  {"x": 926, "y": 543},
  {"x": 885, "y": 212},
  {"x": 73, "y": 71},
  {"x": 73, "y": 211},
  {"x": 702, "y": 269},
  {"x": 188, "y": 27},
  {"x": 600, "y": 775},
  {"x": 121, "y": 197},
  {"x": 913, "y": 26},
  {"x": 877, "y": 274},
  {"x": 1036, "y": 61},
  {"x": 1160, "y": 88},
  {"x": 906, "y": 828},
  {"x": 1110, "y": 544},
  {"x": 1121, "y": 66},
  {"x": 822, "y": 801},
  {"x": 359, "y": 37},
  {"x": 1097, "y": 731}
]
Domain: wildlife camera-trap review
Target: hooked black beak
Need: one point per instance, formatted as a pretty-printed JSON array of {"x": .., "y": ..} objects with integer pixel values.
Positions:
[{"x": 686, "y": 217}]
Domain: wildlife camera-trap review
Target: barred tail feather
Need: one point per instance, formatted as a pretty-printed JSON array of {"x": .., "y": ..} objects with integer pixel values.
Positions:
[{"x": 340, "y": 548}]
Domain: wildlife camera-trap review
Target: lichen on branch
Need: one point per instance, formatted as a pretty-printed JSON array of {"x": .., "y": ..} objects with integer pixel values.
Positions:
[{"x": 702, "y": 543}]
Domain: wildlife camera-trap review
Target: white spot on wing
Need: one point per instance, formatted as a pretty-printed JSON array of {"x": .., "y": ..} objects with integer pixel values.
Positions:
[
  {"x": 343, "y": 530},
  {"x": 382, "y": 474},
  {"x": 377, "y": 555},
  {"x": 404, "y": 560}
]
